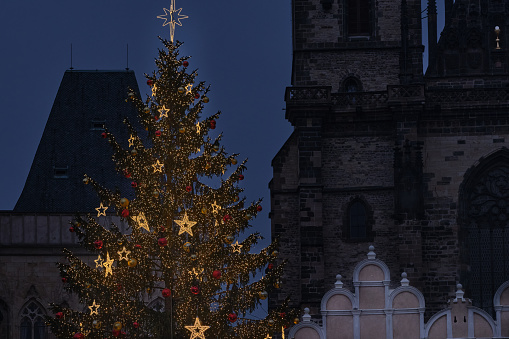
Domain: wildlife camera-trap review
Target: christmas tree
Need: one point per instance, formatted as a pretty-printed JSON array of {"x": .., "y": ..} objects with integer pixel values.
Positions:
[{"x": 183, "y": 238}]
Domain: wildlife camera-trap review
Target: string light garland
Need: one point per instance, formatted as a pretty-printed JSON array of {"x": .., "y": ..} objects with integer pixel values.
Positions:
[{"x": 182, "y": 238}]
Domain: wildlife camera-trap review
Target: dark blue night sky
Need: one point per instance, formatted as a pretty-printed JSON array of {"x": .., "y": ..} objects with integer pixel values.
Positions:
[{"x": 241, "y": 48}]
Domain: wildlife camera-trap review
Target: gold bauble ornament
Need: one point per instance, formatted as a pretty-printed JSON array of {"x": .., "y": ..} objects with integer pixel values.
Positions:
[
  {"x": 271, "y": 322},
  {"x": 86, "y": 181},
  {"x": 187, "y": 247},
  {"x": 181, "y": 89},
  {"x": 208, "y": 165},
  {"x": 277, "y": 284},
  {"x": 120, "y": 242},
  {"x": 132, "y": 262},
  {"x": 229, "y": 239},
  {"x": 296, "y": 321},
  {"x": 236, "y": 198},
  {"x": 87, "y": 285},
  {"x": 205, "y": 99},
  {"x": 247, "y": 216},
  {"x": 146, "y": 110},
  {"x": 117, "y": 326},
  {"x": 193, "y": 256},
  {"x": 155, "y": 194},
  {"x": 124, "y": 202},
  {"x": 134, "y": 152},
  {"x": 204, "y": 210},
  {"x": 233, "y": 161},
  {"x": 263, "y": 295},
  {"x": 96, "y": 324},
  {"x": 182, "y": 130},
  {"x": 275, "y": 252}
]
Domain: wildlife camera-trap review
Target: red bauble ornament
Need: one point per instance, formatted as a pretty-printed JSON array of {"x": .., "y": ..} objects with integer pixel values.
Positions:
[
  {"x": 189, "y": 188},
  {"x": 137, "y": 246},
  {"x": 116, "y": 333},
  {"x": 64, "y": 280},
  {"x": 127, "y": 174},
  {"x": 197, "y": 96},
  {"x": 71, "y": 229},
  {"x": 150, "y": 82},
  {"x": 59, "y": 315},
  {"x": 271, "y": 266},
  {"x": 185, "y": 63},
  {"x": 98, "y": 244},
  {"x": 104, "y": 135},
  {"x": 216, "y": 274},
  {"x": 232, "y": 317},
  {"x": 125, "y": 213},
  {"x": 136, "y": 325},
  {"x": 166, "y": 292},
  {"x": 78, "y": 336},
  {"x": 282, "y": 314},
  {"x": 259, "y": 208},
  {"x": 119, "y": 287},
  {"x": 158, "y": 133},
  {"x": 134, "y": 184},
  {"x": 212, "y": 124},
  {"x": 162, "y": 242},
  {"x": 227, "y": 218},
  {"x": 195, "y": 290},
  {"x": 241, "y": 177}
]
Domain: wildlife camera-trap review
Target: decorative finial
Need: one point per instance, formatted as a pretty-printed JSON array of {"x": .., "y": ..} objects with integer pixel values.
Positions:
[
  {"x": 404, "y": 281},
  {"x": 306, "y": 317},
  {"x": 497, "y": 32},
  {"x": 172, "y": 17},
  {"x": 371, "y": 253},
  {"x": 339, "y": 283},
  {"x": 459, "y": 294}
]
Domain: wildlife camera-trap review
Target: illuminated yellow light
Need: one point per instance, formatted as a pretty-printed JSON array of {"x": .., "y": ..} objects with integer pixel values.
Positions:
[
  {"x": 197, "y": 330},
  {"x": 99, "y": 262},
  {"x": 101, "y": 210},
  {"x": 163, "y": 112},
  {"x": 123, "y": 254},
  {"x": 188, "y": 88},
  {"x": 141, "y": 221},
  {"x": 131, "y": 140},
  {"x": 215, "y": 207},
  {"x": 107, "y": 265},
  {"x": 185, "y": 224},
  {"x": 94, "y": 308},
  {"x": 174, "y": 17},
  {"x": 237, "y": 247}
]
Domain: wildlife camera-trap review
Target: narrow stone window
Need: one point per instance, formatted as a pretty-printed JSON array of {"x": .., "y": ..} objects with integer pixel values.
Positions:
[
  {"x": 359, "y": 14},
  {"x": 32, "y": 324},
  {"x": 358, "y": 219}
]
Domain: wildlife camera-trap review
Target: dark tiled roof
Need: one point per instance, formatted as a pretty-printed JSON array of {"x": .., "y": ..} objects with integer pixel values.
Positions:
[{"x": 71, "y": 144}]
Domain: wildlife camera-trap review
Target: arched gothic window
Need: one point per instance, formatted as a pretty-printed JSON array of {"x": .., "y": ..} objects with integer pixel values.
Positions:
[
  {"x": 485, "y": 230},
  {"x": 351, "y": 85},
  {"x": 32, "y": 324},
  {"x": 358, "y": 221},
  {"x": 359, "y": 18}
]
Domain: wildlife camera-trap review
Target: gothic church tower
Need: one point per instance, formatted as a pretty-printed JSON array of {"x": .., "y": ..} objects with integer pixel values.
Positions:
[{"x": 383, "y": 155}]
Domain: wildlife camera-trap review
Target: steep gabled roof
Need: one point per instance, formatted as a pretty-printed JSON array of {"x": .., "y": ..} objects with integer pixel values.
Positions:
[{"x": 71, "y": 144}]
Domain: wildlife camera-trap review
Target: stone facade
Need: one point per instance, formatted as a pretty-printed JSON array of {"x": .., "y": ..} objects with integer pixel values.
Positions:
[
  {"x": 377, "y": 311},
  {"x": 381, "y": 154}
]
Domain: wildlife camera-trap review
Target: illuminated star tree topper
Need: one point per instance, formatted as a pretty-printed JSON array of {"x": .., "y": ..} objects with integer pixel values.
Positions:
[{"x": 172, "y": 17}]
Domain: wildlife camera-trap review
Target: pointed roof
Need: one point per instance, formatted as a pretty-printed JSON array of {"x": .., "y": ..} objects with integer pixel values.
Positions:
[{"x": 71, "y": 144}]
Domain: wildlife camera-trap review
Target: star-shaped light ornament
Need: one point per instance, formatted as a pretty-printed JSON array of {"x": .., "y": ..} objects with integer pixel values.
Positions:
[
  {"x": 122, "y": 255},
  {"x": 237, "y": 247},
  {"x": 158, "y": 166},
  {"x": 197, "y": 331},
  {"x": 154, "y": 90},
  {"x": 131, "y": 140},
  {"x": 94, "y": 309},
  {"x": 141, "y": 221},
  {"x": 198, "y": 128},
  {"x": 99, "y": 262},
  {"x": 268, "y": 337},
  {"x": 188, "y": 88},
  {"x": 163, "y": 112},
  {"x": 101, "y": 210},
  {"x": 215, "y": 208},
  {"x": 185, "y": 225},
  {"x": 172, "y": 17},
  {"x": 198, "y": 273},
  {"x": 107, "y": 265}
]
